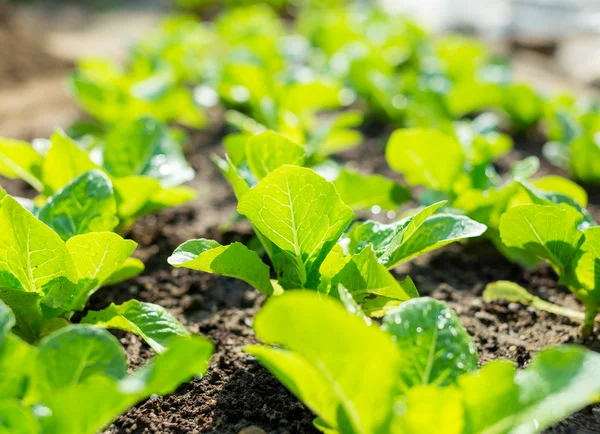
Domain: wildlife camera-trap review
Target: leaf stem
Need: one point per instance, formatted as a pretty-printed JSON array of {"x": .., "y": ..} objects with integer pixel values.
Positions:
[{"x": 588, "y": 323}]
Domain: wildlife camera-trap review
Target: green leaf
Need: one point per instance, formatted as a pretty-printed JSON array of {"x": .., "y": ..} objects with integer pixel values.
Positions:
[
  {"x": 130, "y": 268},
  {"x": 362, "y": 192},
  {"x": 86, "y": 204},
  {"x": 17, "y": 364},
  {"x": 146, "y": 147},
  {"x": 512, "y": 292},
  {"x": 305, "y": 381},
  {"x": 586, "y": 266},
  {"x": 585, "y": 158},
  {"x": 364, "y": 276},
  {"x": 412, "y": 236},
  {"x": 185, "y": 358},
  {"x": 149, "y": 321},
  {"x": 34, "y": 255},
  {"x": 499, "y": 400},
  {"x": 15, "y": 418},
  {"x": 96, "y": 257},
  {"x": 75, "y": 353},
  {"x": 430, "y": 336},
  {"x": 558, "y": 382},
  {"x": 64, "y": 162},
  {"x": 7, "y": 321},
  {"x": 18, "y": 160},
  {"x": 269, "y": 150},
  {"x": 302, "y": 214},
  {"x": 422, "y": 401},
  {"x": 548, "y": 231},
  {"x": 556, "y": 190},
  {"x": 27, "y": 310},
  {"x": 328, "y": 335},
  {"x": 232, "y": 175},
  {"x": 133, "y": 193},
  {"x": 166, "y": 197},
  {"x": 234, "y": 260},
  {"x": 419, "y": 153}
]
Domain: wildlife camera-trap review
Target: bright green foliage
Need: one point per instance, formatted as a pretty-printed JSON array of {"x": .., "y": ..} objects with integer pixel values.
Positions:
[
  {"x": 235, "y": 260},
  {"x": 367, "y": 281},
  {"x": 63, "y": 162},
  {"x": 146, "y": 147},
  {"x": 142, "y": 153},
  {"x": 302, "y": 215},
  {"x": 267, "y": 151},
  {"x": 18, "y": 160},
  {"x": 150, "y": 321},
  {"x": 86, "y": 204},
  {"x": 412, "y": 236},
  {"x": 44, "y": 280},
  {"x": 363, "y": 192},
  {"x": 111, "y": 94},
  {"x": 437, "y": 347},
  {"x": 250, "y": 157},
  {"x": 424, "y": 349},
  {"x": 86, "y": 368},
  {"x": 338, "y": 394},
  {"x": 553, "y": 233},
  {"x": 466, "y": 177},
  {"x": 299, "y": 218},
  {"x": 426, "y": 157}
]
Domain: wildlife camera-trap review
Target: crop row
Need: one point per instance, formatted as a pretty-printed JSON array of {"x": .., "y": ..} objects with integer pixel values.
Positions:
[{"x": 358, "y": 346}]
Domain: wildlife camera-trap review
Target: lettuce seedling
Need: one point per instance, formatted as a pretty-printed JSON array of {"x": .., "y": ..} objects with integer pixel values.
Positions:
[
  {"x": 112, "y": 94},
  {"x": 75, "y": 380},
  {"x": 559, "y": 235},
  {"x": 45, "y": 280},
  {"x": 299, "y": 218},
  {"x": 136, "y": 173},
  {"x": 469, "y": 182},
  {"x": 572, "y": 130},
  {"x": 415, "y": 374},
  {"x": 254, "y": 156}
]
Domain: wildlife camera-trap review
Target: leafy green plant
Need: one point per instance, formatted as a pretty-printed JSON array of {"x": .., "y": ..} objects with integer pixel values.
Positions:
[
  {"x": 299, "y": 218},
  {"x": 572, "y": 130},
  {"x": 45, "y": 280},
  {"x": 469, "y": 182},
  {"x": 416, "y": 374},
  {"x": 254, "y": 156},
  {"x": 75, "y": 380},
  {"x": 142, "y": 162},
  {"x": 559, "y": 235},
  {"x": 111, "y": 94}
]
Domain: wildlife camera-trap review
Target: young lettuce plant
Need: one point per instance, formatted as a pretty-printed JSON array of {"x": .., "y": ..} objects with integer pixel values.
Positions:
[
  {"x": 469, "y": 182},
  {"x": 559, "y": 235},
  {"x": 143, "y": 165},
  {"x": 45, "y": 280},
  {"x": 75, "y": 380},
  {"x": 299, "y": 218},
  {"x": 572, "y": 130},
  {"x": 255, "y": 155},
  {"x": 112, "y": 94},
  {"x": 417, "y": 374}
]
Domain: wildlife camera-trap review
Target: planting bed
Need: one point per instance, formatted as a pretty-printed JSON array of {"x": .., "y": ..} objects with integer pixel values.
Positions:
[{"x": 237, "y": 393}]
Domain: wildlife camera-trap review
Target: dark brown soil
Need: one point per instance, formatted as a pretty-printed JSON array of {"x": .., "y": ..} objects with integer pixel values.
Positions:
[{"x": 238, "y": 395}]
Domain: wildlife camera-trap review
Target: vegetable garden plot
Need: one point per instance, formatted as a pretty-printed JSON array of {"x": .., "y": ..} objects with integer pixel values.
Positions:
[{"x": 368, "y": 323}]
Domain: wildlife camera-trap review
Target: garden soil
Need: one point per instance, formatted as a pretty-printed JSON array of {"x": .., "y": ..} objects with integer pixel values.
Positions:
[{"x": 238, "y": 395}]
